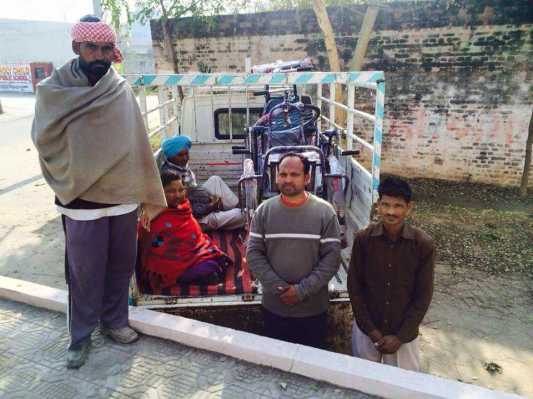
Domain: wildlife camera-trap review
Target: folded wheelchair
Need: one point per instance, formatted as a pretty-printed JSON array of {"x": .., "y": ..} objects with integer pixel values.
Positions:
[{"x": 288, "y": 124}]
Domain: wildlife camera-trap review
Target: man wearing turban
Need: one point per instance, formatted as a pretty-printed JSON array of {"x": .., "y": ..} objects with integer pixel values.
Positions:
[
  {"x": 95, "y": 155},
  {"x": 213, "y": 203}
]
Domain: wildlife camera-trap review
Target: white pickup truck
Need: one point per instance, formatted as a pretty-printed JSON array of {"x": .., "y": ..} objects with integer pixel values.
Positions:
[{"x": 216, "y": 111}]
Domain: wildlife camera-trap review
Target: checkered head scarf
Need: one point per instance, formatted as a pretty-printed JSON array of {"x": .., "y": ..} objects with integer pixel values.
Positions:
[{"x": 96, "y": 32}]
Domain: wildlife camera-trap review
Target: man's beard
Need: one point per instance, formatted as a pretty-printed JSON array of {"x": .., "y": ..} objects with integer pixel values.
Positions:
[
  {"x": 94, "y": 70},
  {"x": 290, "y": 190}
]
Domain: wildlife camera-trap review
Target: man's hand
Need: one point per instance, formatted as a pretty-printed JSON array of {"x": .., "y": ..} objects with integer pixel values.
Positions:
[
  {"x": 148, "y": 213},
  {"x": 388, "y": 344},
  {"x": 215, "y": 203},
  {"x": 375, "y": 336},
  {"x": 290, "y": 296}
]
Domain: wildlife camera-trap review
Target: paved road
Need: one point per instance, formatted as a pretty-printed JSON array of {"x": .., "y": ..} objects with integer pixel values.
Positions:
[
  {"x": 31, "y": 242},
  {"x": 32, "y": 346}
]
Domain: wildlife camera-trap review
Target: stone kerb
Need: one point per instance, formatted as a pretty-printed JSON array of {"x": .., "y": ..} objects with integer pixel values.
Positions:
[{"x": 342, "y": 370}]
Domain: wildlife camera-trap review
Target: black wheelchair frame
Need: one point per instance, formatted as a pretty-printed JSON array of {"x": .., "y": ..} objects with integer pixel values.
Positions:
[{"x": 257, "y": 147}]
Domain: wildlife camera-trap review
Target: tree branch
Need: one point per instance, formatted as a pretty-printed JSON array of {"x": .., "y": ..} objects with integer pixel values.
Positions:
[{"x": 527, "y": 160}]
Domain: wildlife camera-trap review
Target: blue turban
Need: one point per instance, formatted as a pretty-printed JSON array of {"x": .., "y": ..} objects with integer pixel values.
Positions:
[{"x": 172, "y": 146}]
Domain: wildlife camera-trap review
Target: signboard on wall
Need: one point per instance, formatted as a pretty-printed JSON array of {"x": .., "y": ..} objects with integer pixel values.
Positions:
[{"x": 16, "y": 77}]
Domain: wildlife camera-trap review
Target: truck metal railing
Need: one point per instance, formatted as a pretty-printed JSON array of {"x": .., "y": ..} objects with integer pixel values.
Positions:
[
  {"x": 159, "y": 94},
  {"x": 169, "y": 104}
]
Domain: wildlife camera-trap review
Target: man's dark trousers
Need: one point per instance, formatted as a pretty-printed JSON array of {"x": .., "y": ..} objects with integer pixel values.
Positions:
[
  {"x": 100, "y": 260},
  {"x": 310, "y": 331}
]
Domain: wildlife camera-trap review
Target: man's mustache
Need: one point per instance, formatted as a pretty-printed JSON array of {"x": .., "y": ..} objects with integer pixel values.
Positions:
[{"x": 98, "y": 65}]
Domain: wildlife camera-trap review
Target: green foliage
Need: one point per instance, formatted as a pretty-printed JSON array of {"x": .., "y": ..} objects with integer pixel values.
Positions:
[
  {"x": 274, "y": 5},
  {"x": 118, "y": 10},
  {"x": 154, "y": 9}
]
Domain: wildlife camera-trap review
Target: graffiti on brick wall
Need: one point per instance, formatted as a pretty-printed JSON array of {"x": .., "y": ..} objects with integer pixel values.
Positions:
[{"x": 485, "y": 145}]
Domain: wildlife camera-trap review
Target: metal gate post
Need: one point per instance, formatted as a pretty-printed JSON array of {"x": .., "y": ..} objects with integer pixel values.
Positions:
[
  {"x": 332, "y": 90},
  {"x": 163, "y": 111},
  {"x": 378, "y": 137},
  {"x": 176, "y": 107},
  {"x": 142, "y": 103},
  {"x": 319, "y": 105},
  {"x": 349, "y": 118}
]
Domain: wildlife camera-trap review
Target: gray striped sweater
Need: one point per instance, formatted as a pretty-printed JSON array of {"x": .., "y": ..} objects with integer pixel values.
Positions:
[{"x": 299, "y": 246}]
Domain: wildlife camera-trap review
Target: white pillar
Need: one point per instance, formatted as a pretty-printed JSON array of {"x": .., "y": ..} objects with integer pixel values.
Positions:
[
  {"x": 97, "y": 8},
  {"x": 332, "y": 97}
]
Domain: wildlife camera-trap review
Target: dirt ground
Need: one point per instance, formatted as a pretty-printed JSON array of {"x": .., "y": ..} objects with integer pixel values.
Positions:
[{"x": 482, "y": 312}]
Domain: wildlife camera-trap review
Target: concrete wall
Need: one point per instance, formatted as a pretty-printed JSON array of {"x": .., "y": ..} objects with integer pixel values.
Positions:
[
  {"x": 136, "y": 47},
  {"x": 41, "y": 41},
  {"x": 458, "y": 75},
  {"x": 34, "y": 41}
]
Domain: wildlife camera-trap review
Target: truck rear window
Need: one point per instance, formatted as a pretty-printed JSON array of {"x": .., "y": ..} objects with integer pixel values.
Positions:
[{"x": 238, "y": 119}]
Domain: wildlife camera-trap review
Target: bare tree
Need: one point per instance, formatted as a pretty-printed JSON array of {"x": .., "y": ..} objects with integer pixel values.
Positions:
[
  {"x": 164, "y": 10},
  {"x": 329, "y": 36},
  {"x": 527, "y": 161},
  {"x": 356, "y": 63}
]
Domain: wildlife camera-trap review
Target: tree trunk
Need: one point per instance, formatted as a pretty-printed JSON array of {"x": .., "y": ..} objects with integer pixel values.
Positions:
[
  {"x": 333, "y": 55},
  {"x": 329, "y": 36},
  {"x": 357, "y": 61},
  {"x": 169, "y": 48},
  {"x": 527, "y": 161}
]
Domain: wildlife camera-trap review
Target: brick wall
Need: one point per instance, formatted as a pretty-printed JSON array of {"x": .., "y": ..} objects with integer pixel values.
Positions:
[{"x": 458, "y": 76}]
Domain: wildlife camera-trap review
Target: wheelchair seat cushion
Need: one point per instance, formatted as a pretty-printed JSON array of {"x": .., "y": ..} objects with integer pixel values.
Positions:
[{"x": 290, "y": 137}]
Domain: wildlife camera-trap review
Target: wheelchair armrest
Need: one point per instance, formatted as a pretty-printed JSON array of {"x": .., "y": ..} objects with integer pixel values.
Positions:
[
  {"x": 332, "y": 175},
  {"x": 350, "y": 152},
  {"x": 330, "y": 133}
]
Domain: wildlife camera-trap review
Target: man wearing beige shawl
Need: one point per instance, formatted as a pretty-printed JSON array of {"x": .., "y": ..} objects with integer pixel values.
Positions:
[{"x": 95, "y": 155}]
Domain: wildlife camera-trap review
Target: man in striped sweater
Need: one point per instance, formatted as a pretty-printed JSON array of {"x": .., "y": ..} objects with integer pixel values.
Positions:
[{"x": 294, "y": 251}]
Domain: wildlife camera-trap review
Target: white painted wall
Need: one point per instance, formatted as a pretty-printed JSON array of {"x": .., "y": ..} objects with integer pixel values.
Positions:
[
  {"x": 43, "y": 41},
  {"x": 34, "y": 41}
]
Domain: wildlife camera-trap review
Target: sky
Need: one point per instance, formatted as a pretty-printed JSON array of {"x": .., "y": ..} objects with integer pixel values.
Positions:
[
  {"x": 45, "y": 10},
  {"x": 51, "y": 10}
]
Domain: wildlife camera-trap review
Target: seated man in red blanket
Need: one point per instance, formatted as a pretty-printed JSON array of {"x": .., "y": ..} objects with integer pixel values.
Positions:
[{"x": 175, "y": 250}]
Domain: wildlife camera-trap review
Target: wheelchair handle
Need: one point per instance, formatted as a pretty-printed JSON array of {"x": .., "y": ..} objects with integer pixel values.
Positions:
[
  {"x": 313, "y": 108},
  {"x": 240, "y": 151}
]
